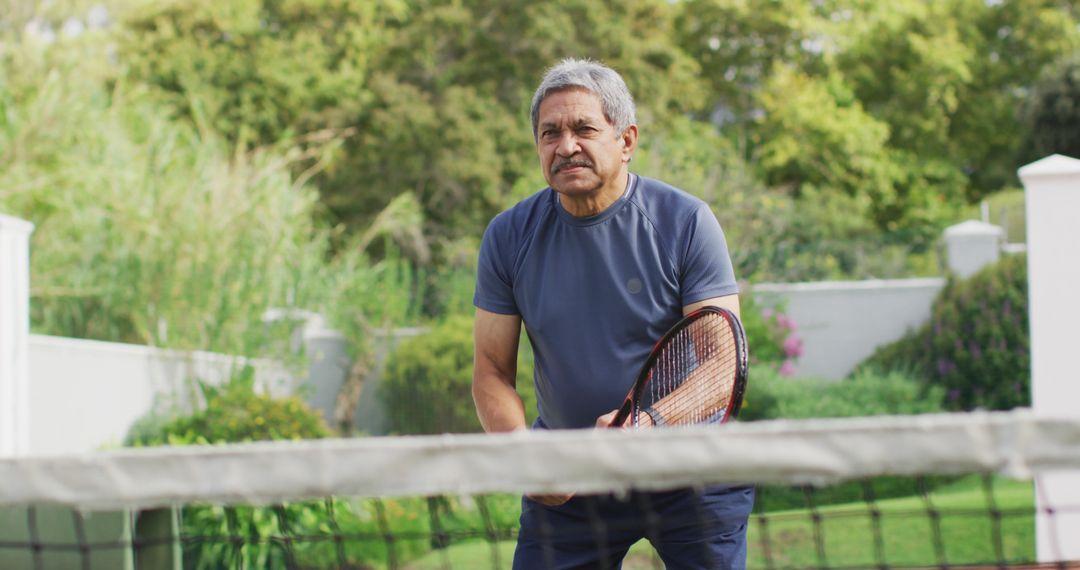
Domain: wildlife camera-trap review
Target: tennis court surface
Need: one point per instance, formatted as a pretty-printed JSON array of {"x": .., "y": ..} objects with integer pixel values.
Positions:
[{"x": 935, "y": 491}]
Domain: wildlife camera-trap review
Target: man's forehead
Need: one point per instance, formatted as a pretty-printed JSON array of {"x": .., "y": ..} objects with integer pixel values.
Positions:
[{"x": 573, "y": 103}]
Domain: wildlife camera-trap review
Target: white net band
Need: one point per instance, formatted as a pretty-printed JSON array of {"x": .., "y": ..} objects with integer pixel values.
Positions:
[{"x": 1016, "y": 444}]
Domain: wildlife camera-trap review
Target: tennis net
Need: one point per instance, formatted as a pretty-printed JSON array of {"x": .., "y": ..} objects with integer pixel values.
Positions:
[{"x": 980, "y": 490}]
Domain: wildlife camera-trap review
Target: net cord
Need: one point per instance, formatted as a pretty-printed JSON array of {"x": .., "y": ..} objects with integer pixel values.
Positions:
[{"x": 1017, "y": 444}]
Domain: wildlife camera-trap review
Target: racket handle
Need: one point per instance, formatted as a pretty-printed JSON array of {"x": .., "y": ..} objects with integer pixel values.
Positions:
[{"x": 624, "y": 412}]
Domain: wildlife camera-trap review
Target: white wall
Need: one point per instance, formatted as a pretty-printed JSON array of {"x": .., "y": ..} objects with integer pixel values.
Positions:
[
  {"x": 86, "y": 394},
  {"x": 14, "y": 329},
  {"x": 842, "y": 322}
]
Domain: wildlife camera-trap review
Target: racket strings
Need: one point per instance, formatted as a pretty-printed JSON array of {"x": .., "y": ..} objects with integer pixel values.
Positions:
[{"x": 693, "y": 378}]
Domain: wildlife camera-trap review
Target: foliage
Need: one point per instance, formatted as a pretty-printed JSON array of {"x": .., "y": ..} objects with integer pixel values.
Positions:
[
  {"x": 770, "y": 395},
  {"x": 1015, "y": 41},
  {"x": 947, "y": 77},
  {"x": 150, "y": 231},
  {"x": 867, "y": 393},
  {"x": 770, "y": 335},
  {"x": 976, "y": 346},
  {"x": 448, "y": 120},
  {"x": 1007, "y": 209},
  {"x": 256, "y": 70},
  {"x": 1052, "y": 110},
  {"x": 236, "y": 412},
  {"x": 738, "y": 43},
  {"x": 811, "y": 128},
  {"x": 427, "y": 384},
  {"x": 817, "y": 235}
]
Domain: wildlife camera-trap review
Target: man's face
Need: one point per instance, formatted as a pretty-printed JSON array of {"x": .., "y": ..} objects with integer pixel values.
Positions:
[{"x": 580, "y": 152}]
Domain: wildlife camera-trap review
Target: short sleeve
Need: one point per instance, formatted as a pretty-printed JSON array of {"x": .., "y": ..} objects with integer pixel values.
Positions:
[
  {"x": 494, "y": 281},
  {"x": 706, "y": 269}
]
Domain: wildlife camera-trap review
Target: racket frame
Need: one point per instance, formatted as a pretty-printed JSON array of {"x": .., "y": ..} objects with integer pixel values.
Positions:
[{"x": 741, "y": 364}]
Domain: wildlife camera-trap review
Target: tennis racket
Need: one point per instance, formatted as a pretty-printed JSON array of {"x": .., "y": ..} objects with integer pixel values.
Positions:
[{"x": 696, "y": 373}]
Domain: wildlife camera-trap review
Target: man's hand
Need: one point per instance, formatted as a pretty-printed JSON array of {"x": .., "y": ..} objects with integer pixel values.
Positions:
[
  {"x": 604, "y": 421},
  {"x": 551, "y": 500}
]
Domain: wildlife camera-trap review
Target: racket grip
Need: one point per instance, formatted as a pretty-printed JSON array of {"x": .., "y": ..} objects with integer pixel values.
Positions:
[{"x": 624, "y": 412}]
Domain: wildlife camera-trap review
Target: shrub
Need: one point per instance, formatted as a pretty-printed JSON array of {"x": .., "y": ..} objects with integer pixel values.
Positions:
[
  {"x": 427, "y": 385},
  {"x": 441, "y": 362},
  {"x": 235, "y": 412},
  {"x": 866, "y": 393},
  {"x": 976, "y": 344},
  {"x": 770, "y": 335}
]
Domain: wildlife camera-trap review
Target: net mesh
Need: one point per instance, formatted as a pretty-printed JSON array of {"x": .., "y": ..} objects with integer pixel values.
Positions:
[{"x": 943, "y": 491}]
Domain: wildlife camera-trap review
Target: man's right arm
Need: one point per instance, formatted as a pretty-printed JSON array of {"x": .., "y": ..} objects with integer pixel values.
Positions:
[{"x": 495, "y": 370}]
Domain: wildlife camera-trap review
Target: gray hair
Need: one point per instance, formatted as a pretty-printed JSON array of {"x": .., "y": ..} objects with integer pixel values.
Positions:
[{"x": 604, "y": 82}]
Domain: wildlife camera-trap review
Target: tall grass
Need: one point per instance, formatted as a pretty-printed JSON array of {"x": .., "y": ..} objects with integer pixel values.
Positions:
[{"x": 153, "y": 230}]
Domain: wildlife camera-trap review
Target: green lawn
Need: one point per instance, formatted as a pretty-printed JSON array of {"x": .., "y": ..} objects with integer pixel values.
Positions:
[
  {"x": 907, "y": 536},
  {"x": 787, "y": 539}
]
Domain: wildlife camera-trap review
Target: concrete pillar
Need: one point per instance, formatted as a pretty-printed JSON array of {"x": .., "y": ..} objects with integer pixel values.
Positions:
[
  {"x": 14, "y": 333},
  {"x": 972, "y": 245},
  {"x": 1052, "y": 195}
]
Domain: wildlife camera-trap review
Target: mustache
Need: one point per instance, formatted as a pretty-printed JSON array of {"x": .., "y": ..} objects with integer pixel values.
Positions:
[{"x": 570, "y": 163}]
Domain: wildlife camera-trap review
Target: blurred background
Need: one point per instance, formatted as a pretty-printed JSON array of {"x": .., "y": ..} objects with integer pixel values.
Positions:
[{"x": 302, "y": 185}]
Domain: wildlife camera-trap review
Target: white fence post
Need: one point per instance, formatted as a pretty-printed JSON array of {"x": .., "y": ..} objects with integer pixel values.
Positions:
[
  {"x": 972, "y": 245},
  {"x": 1052, "y": 194},
  {"x": 14, "y": 332}
]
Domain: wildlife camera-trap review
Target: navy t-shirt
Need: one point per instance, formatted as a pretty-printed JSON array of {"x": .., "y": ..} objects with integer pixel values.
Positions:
[{"x": 596, "y": 293}]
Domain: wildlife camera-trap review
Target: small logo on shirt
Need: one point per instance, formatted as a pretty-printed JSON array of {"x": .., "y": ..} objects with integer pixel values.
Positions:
[{"x": 633, "y": 285}]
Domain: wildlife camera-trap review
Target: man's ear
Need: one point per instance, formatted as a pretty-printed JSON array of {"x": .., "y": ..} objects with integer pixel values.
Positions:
[{"x": 629, "y": 139}]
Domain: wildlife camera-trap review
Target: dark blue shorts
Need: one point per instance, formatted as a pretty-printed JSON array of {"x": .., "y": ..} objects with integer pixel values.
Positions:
[{"x": 691, "y": 530}]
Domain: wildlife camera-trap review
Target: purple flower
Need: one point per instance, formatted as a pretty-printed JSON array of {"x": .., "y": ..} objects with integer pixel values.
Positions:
[{"x": 787, "y": 368}]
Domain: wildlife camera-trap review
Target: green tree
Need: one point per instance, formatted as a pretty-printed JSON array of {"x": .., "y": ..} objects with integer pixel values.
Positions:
[
  {"x": 1015, "y": 40},
  {"x": 258, "y": 70},
  {"x": 947, "y": 77},
  {"x": 738, "y": 42},
  {"x": 1052, "y": 111},
  {"x": 449, "y": 119}
]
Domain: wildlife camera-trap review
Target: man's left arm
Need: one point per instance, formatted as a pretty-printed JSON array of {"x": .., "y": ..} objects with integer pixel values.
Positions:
[{"x": 729, "y": 302}]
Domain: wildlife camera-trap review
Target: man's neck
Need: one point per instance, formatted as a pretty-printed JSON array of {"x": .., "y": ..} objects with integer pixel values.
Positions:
[{"x": 596, "y": 202}]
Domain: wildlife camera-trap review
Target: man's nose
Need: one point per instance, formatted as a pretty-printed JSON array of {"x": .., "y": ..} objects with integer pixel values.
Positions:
[{"x": 568, "y": 145}]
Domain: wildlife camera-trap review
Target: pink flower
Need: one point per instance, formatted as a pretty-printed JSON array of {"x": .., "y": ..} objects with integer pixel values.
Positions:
[
  {"x": 793, "y": 346},
  {"x": 781, "y": 320},
  {"x": 787, "y": 368},
  {"x": 767, "y": 313}
]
